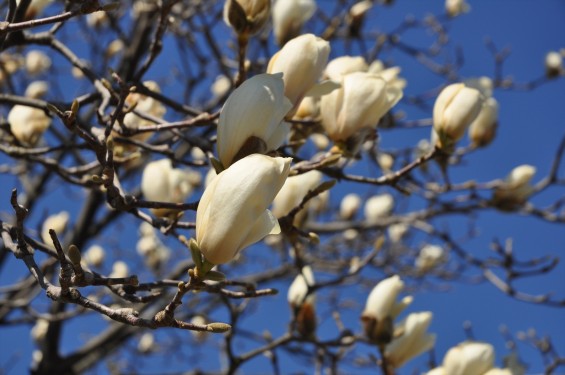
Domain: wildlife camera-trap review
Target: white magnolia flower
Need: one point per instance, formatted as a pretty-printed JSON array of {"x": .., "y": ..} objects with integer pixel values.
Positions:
[
  {"x": 146, "y": 343},
  {"x": 378, "y": 207},
  {"x": 484, "y": 84},
  {"x": 454, "y": 110},
  {"x": 221, "y": 86},
  {"x": 397, "y": 231},
  {"x": 390, "y": 75},
  {"x": 553, "y": 64},
  {"x": 151, "y": 247},
  {"x": 357, "y": 105},
  {"x": 299, "y": 287},
  {"x": 483, "y": 129},
  {"x": 57, "y": 222},
  {"x": 144, "y": 105},
  {"x": 469, "y": 358},
  {"x": 232, "y": 213},
  {"x": 302, "y": 61},
  {"x": 119, "y": 270},
  {"x": 293, "y": 191},
  {"x": 289, "y": 16},
  {"x": 37, "y": 62},
  {"x": 349, "y": 206},
  {"x": 413, "y": 341},
  {"x": 250, "y": 121},
  {"x": 39, "y": 330},
  {"x": 94, "y": 255},
  {"x": 429, "y": 257},
  {"x": 456, "y": 7},
  {"x": 247, "y": 17},
  {"x": 382, "y": 308},
  {"x": 340, "y": 66},
  {"x": 199, "y": 335},
  {"x": 516, "y": 188},
  {"x": 161, "y": 182},
  {"x": 28, "y": 124},
  {"x": 37, "y": 89}
]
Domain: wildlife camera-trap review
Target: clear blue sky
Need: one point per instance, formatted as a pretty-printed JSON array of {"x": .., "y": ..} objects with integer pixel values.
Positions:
[{"x": 531, "y": 125}]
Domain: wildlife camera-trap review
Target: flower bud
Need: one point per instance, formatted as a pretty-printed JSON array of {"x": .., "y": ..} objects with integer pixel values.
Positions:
[
  {"x": 359, "y": 104},
  {"x": 413, "y": 341},
  {"x": 143, "y": 104},
  {"x": 289, "y": 16},
  {"x": 57, "y": 222},
  {"x": 250, "y": 121},
  {"x": 94, "y": 256},
  {"x": 356, "y": 16},
  {"x": 35, "y": 8},
  {"x": 469, "y": 358},
  {"x": 39, "y": 330},
  {"x": 340, "y": 66},
  {"x": 119, "y": 270},
  {"x": 455, "y": 108},
  {"x": 302, "y": 61},
  {"x": 221, "y": 86},
  {"x": 293, "y": 191},
  {"x": 397, "y": 231},
  {"x": 378, "y": 207},
  {"x": 553, "y": 64},
  {"x": 247, "y": 17},
  {"x": 199, "y": 336},
  {"x": 37, "y": 62},
  {"x": 516, "y": 188},
  {"x": 484, "y": 84},
  {"x": 37, "y": 89},
  {"x": 232, "y": 213},
  {"x": 160, "y": 182},
  {"x": 456, "y": 7},
  {"x": 349, "y": 206},
  {"x": 429, "y": 257},
  {"x": 382, "y": 308},
  {"x": 146, "y": 343},
  {"x": 28, "y": 124},
  {"x": 301, "y": 303},
  {"x": 483, "y": 130}
]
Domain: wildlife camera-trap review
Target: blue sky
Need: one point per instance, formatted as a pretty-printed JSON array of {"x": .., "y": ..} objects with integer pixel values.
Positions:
[{"x": 531, "y": 125}]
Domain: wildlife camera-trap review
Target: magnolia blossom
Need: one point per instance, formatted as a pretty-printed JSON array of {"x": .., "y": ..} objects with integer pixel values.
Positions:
[
  {"x": 57, "y": 222},
  {"x": 232, "y": 213},
  {"x": 391, "y": 75},
  {"x": 37, "y": 62},
  {"x": 35, "y": 7},
  {"x": 143, "y": 104},
  {"x": 349, "y": 206},
  {"x": 516, "y": 188},
  {"x": 293, "y": 191},
  {"x": 162, "y": 183},
  {"x": 119, "y": 270},
  {"x": 250, "y": 121},
  {"x": 340, "y": 66},
  {"x": 199, "y": 335},
  {"x": 151, "y": 247},
  {"x": 359, "y": 104},
  {"x": 221, "y": 86},
  {"x": 378, "y": 206},
  {"x": 382, "y": 308},
  {"x": 299, "y": 288},
  {"x": 302, "y": 61},
  {"x": 386, "y": 161},
  {"x": 454, "y": 110},
  {"x": 413, "y": 341},
  {"x": 469, "y": 358},
  {"x": 39, "y": 330},
  {"x": 146, "y": 343},
  {"x": 94, "y": 255},
  {"x": 429, "y": 257},
  {"x": 28, "y": 124},
  {"x": 397, "y": 231},
  {"x": 456, "y": 7},
  {"x": 483, "y": 129},
  {"x": 247, "y": 17},
  {"x": 553, "y": 64},
  {"x": 302, "y": 304},
  {"x": 289, "y": 16},
  {"x": 37, "y": 89},
  {"x": 483, "y": 83}
]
